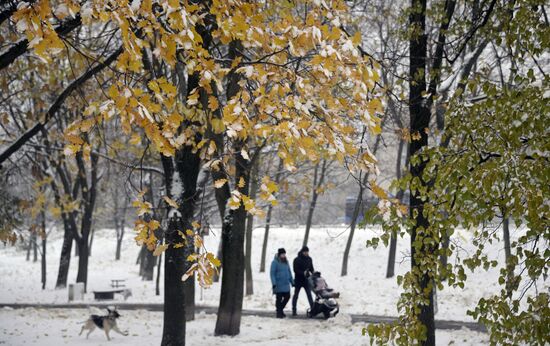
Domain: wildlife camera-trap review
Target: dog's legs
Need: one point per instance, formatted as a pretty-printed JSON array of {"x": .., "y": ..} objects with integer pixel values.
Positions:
[
  {"x": 92, "y": 328},
  {"x": 82, "y": 330},
  {"x": 115, "y": 328},
  {"x": 107, "y": 332}
]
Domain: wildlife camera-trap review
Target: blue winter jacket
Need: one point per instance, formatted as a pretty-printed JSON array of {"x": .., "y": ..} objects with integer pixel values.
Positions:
[{"x": 281, "y": 276}]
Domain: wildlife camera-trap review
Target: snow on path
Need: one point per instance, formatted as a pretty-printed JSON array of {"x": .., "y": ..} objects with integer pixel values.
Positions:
[{"x": 61, "y": 327}]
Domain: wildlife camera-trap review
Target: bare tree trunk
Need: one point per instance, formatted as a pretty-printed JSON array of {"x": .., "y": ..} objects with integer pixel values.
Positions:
[
  {"x": 76, "y": 249},
  {"x": 32, "y": 241},
  {"x": 65, "y": 257},
  {"x": 91, "y": 242},
  {"x": 186, "y": 166},
  {"x": 390, "y": 270},
  {"x": 253, "y": 178},
  {"x": 43, "y": 252},
  {"x": 119, "y": 237},
  {"x": 82, "y": 275},
  {"x": 148, "y": 261},
  {"x": 228, "y": 321},
  {"x": 419, "y": 121},
  {"x": 318, "y": 178},
  {"x": 157, "y": 284},
  {"x": 189, "y": 287},
  {"x": 268, "y": 219},
  {"x": 355, "y": 215},
  {"x": 508, "y": 255},
  {"x": 35, "y": 247}
]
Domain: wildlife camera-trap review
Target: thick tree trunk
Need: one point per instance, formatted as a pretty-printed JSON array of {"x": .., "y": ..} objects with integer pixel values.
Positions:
[
  {"x": 173, "y": 333},
  {"x": 65, "y": 258},
  {"x": 318, "y": 178},
  {"x": 82, "y": 275},
  {"x": 189, "y": 287},
  {"x": 268, "y": 219},
  {"x": 419, "y": 122},
  {"x": 178, "y": 293},
  {"x": 231, "y": 296}
]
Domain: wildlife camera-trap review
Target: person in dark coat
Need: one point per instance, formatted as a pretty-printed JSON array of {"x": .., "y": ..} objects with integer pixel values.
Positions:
[
  {"x": 303, "y": 267},
  {"x": 281, "y": 279}
]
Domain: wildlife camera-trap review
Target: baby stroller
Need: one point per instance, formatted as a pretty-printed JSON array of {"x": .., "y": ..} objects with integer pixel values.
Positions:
[{"x": 325, "y": 297}]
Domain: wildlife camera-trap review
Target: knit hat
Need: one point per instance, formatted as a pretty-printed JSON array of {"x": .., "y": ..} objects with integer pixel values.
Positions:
[
  {"x": 281, "y": 251},
  {"x": 305, "y": 249}
]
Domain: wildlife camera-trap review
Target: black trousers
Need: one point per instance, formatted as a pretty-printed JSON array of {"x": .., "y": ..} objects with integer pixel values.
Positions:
[
  {"x": 298, "y": 285},
  {"x": 281, "y": 299}
]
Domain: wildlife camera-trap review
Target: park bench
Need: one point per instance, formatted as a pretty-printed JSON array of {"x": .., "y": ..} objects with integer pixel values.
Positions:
[{"x": 117, "y": 286}]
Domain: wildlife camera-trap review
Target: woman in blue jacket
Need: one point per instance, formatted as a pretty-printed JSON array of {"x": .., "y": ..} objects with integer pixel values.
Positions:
[{"x": 281, "y": 279}]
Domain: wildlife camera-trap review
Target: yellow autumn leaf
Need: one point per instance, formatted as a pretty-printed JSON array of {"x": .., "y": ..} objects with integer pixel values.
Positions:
[
  {"x": 378, "y": 191},
  {"x": 219, "y": 183},
  {"x": 160, "y": 249},
  {"x": 170, "y": 202}
]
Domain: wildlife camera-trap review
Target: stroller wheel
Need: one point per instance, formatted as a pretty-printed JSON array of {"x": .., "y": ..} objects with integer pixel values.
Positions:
[{"x": 336, "y": 312}]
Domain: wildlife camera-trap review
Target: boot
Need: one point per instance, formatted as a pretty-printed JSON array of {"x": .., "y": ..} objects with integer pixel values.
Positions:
[{"x": 294, "y": 312}]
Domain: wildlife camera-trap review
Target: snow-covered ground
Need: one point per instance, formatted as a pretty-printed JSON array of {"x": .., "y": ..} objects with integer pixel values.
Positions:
[
  {"x": 365, "y": 290},
  {"x": 61, "y": 327}
]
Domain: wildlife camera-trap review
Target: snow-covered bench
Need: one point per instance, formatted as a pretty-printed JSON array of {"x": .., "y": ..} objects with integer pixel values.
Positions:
[{"x": 110, "y": 294}]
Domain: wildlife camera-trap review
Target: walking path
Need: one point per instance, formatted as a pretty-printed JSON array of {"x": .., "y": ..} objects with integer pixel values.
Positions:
[{"x": 355, "y": 318}]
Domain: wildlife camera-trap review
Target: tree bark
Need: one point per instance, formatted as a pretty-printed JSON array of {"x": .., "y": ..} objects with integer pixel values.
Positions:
[
  {"x": 318, "y": 178},
  {"x": 355, "y": 216},
  {"x": 419, "y": 122},
  {"x": 508, "y": 254},
  {"x": 54, "y": 108},
  {"x": 65, "y": 258},
  {"x": 82, "y": 275},
  {"x": 186, "y": 166},
  {"x": 390, "y": 269},
  {"x": 91, "y": 242},
  {"x": 119, "y": 237},
  {"x": 35, "y": 247},
  {"x": 268, "y": 219},
  {"x": 231, "y": 297},
  {"x": 43, "y": 252},
  {"x": 249, "y": 228}
]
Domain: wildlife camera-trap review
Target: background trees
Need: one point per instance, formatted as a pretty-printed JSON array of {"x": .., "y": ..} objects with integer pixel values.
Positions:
[{"x": 198, "y": 93}]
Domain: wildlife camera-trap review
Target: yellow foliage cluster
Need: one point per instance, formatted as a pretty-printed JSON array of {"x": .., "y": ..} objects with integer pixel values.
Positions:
[{"x": 304, "y": 87}]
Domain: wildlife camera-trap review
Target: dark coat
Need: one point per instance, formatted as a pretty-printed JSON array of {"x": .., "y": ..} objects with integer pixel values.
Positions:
[{"x": 301, "y": 265}]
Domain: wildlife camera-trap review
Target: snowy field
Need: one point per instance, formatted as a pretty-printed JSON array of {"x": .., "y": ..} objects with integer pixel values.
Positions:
[{"x": 364, "y": 291}]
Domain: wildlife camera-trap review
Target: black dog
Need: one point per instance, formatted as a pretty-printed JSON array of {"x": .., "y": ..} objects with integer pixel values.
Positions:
[{"x": 107, "y": 323}]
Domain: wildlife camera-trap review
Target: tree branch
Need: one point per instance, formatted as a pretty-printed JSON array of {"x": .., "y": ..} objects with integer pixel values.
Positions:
[{"x": 56, "y": 105}]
